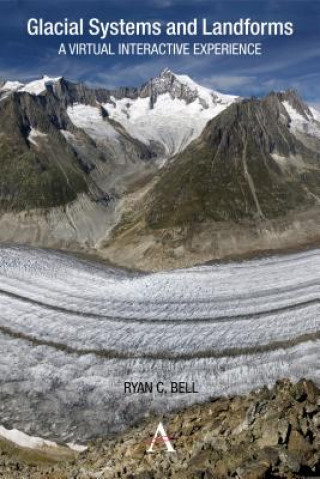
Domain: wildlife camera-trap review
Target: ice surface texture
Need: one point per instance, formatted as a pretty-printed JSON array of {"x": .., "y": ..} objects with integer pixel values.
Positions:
[{"x": 72, "y": 332}]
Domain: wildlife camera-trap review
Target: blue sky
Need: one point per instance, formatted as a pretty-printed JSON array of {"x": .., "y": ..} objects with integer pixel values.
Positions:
[{"x": 288, "y": 62}]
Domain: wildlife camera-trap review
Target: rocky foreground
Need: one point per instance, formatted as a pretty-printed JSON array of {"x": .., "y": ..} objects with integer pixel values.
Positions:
[{"x": 270, "y": 433}]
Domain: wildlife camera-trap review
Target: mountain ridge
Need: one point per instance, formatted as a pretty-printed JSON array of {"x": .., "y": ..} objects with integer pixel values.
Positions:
[{"x": 159, "y": 161}]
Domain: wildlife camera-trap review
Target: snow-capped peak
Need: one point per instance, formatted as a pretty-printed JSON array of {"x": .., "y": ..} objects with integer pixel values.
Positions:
[
  {"x": 203, "y": 92},
  {"x": 183, "y": 87},
  {"x": 171, "y": 110},
  {"x": 35, "y": 87},
  {"x": 11, "y": 86}
]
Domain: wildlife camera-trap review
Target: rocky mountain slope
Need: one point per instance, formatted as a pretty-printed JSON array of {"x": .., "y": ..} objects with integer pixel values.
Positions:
[
  {"x": 271, "y": 433},
  {"x": 164, "y": 175},
  {"x": 251, "y": 181},
  {"x": 246, "y": 165}
]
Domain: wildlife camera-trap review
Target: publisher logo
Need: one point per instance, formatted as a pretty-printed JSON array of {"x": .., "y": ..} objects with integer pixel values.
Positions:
[{"x": 161, "y": 436}]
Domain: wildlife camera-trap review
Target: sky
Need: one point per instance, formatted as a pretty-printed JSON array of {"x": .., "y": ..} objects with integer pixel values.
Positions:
[{"x": 287, "y": 62}]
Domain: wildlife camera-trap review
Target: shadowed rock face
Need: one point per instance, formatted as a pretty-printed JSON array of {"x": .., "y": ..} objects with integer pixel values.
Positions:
[
  {"x": 32, "y": 176},
  {"x": 69, "y": 93},
  {"x": 47, "y": 170},
  {"x": 247, "y": 164},
  {"x": 270, "y": 433}
]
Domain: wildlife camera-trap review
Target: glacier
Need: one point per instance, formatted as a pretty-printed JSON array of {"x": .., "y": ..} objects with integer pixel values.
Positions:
[
  {"x": 72, "y": 331},
  {"x": 307, "y": 123}
]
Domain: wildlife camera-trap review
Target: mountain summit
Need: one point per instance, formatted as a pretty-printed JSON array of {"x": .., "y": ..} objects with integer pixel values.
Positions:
[{"x": 182, "y": 87}]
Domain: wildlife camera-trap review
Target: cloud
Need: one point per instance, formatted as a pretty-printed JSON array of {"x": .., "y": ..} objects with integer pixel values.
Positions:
[
  {"x": 228, "y": 81},
  {"x": 50, "y": 64},
  {"x": 128, "y": 74},
  {"x": 283, "y": 60}
]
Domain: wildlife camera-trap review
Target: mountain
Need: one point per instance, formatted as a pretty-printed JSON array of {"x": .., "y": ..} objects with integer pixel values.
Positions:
[
  {"x": 38, "y": 167},
  {"x": 38, "y": 117},
  {"x": 169, "y": 111},
  {"x": 248, "y": 164},
  {"x": 69, "y": 153},
  {"x": 250, "y": 182},
  {"x": 161, "y": 113},
  {"x": 169, "y": 173}
]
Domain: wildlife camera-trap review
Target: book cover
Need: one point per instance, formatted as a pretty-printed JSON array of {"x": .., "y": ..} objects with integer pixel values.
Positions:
[{"x": 159, "y": 239}]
